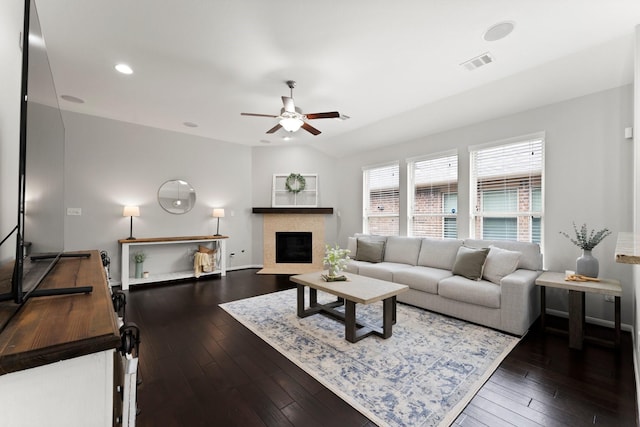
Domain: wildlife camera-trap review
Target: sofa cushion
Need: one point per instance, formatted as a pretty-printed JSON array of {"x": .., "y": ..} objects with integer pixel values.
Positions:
[
  {"x": 353, "y": 266},
  {"x": 531, "y": 258},
  {"x": 481, "y": 292},
  {"x": 499, "y": 263},
  {"x": 421, "y": 278},
  {"x": 403, "y": 250},
  {"x": 370, "y": 251},
  {"x": 381, "y": 270},
  {"x": 439, "y": 253},
  {"x": 470, "y": 262}
]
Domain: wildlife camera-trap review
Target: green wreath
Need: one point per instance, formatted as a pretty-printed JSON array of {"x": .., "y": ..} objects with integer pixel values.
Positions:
[{"x": 295, "y": 183}]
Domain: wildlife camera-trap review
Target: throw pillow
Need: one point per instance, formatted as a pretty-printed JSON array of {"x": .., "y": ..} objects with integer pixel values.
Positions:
[
  {"x": 500, "y": 262},
  {"x": 370, "y": 251},
  {"x": 470, "y": 262}
]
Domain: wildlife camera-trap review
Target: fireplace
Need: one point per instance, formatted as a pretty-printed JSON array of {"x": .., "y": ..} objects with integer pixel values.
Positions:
[
  {"x": 294, "y": 247},
  {"x": 293, "y": 225}
]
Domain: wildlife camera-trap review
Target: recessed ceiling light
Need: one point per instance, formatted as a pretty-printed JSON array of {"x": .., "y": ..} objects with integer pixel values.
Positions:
[
  {"x": 124, "y": 68},
  {"x": 499, "y": 31},
  {"x": 72, "y": 98},
  {"x": 190, "y": 124}
]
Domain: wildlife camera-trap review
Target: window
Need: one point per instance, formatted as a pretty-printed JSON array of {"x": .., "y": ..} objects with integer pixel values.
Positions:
[
  {"x": 507, "y": 190},
  {"x": 381, "y": 200},
  {"x": 433, "y": 196}
]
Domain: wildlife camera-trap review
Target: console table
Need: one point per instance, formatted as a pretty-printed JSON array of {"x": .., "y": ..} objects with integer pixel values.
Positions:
[
  {"x": 577, "y": 291},
  {"x": 178, "y": 243}
]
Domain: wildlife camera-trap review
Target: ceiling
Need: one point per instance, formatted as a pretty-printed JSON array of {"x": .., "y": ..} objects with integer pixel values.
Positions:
[{"x": 393, "y": 67}]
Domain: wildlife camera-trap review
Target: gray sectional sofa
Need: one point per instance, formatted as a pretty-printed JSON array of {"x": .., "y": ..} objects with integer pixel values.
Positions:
[{"x": 486, "y": 282}]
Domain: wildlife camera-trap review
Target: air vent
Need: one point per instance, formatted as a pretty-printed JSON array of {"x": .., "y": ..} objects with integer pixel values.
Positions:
[{"x": 478, "y": 61}]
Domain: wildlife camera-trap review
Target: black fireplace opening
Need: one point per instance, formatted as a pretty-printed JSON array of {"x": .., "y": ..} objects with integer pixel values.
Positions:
[{"x": 294, "y": 247}]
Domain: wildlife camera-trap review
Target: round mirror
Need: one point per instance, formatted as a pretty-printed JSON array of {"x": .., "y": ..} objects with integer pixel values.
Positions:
[{"x": 176, "y": 196}]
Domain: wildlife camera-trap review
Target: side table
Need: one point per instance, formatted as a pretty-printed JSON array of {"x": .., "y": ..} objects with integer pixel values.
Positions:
[{"x": 577, "y": 291}]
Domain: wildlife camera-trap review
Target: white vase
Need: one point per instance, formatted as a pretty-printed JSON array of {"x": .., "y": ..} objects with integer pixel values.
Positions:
[{"x": 334, "y": 270}]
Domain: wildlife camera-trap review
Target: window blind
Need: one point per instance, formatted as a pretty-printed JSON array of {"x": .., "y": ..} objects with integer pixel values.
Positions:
[
  {"x": 381, "y": 200},
  {"x": 433, "y": 200},
  {"x": 507, "y": 191}
]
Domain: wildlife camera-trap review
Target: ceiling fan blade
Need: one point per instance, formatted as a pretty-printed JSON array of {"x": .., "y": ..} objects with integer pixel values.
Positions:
[
  {"x": 327, "y": 115},
  {"x": 289, "y": 106},
  {"x": 310, "y": 129},
  {"x": 258, "y": 115},
  {"x": 275, "y": 128}
]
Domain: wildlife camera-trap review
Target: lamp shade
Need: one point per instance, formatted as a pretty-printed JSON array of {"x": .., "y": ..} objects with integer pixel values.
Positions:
[
  {"x": 131, "y": 211},
  {"x": 218, "y": 213}
]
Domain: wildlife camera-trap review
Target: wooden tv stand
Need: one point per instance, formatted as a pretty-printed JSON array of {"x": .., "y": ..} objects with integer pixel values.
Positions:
[{"x": 57, "y": 352}]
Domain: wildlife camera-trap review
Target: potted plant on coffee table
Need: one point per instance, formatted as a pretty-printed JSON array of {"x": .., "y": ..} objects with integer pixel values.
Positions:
[{"x": 335, "y": 259}]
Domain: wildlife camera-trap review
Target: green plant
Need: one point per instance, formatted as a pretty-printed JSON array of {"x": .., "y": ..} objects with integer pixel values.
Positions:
[
  {"x": 586, "y": 240},
  {"x": 139, "y": 256},
  {"x": 336, "y": 258}
]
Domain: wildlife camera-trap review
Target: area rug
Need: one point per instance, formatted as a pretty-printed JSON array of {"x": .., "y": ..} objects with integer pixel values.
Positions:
[{"x": 423, "y": 375}]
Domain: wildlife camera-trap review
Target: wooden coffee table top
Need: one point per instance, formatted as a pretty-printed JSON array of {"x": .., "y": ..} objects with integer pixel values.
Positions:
[{"x": 359, "y": 289}]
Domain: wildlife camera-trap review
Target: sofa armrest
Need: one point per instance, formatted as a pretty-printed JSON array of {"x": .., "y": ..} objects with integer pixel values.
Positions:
[
  {"x": 520, "y": 277},
  {"x": 520, "y": 300}
]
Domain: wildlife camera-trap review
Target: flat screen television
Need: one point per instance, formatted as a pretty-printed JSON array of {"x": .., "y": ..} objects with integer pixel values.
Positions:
[{"x": 39, "y": 232}]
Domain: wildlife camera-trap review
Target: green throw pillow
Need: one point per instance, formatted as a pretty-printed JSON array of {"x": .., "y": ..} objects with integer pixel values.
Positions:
[
  {"x": 470, "y": 262},
  {"x": 370, "y": 251}
]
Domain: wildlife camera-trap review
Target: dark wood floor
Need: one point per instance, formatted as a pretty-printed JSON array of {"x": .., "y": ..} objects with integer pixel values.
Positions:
[{"x": 200, "y": 367}]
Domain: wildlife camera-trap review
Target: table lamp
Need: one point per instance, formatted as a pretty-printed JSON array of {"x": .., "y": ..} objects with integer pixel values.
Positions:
[
  {"x": 131, "y": 211},
  {"x": 218, "y": 213}
]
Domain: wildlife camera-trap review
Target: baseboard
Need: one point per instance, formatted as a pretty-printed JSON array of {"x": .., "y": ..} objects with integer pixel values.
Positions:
[
  {"x": 244, "y": 267},
  {"x": 592, "y": 320}
]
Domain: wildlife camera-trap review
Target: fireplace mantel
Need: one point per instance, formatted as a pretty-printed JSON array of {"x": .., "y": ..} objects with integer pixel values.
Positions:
[{"x": 328, "y": 211}]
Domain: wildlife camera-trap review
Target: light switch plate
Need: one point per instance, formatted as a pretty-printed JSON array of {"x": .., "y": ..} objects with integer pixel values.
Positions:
[{"x": 74, "y": 211}]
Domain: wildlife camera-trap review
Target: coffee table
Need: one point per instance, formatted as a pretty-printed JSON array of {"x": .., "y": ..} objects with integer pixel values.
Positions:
[{"x": 357, "y": 290}]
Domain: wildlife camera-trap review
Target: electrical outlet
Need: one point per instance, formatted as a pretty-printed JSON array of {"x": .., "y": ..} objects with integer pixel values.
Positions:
[{"x": 609, "y": 298}]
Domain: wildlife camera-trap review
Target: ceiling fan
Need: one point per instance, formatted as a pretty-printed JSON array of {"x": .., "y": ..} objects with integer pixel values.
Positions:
[{"x": 292, "y": 118}]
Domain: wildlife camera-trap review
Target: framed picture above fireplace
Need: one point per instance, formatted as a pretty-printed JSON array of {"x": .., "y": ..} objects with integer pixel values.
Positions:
[{"x": 294, "y": 190}]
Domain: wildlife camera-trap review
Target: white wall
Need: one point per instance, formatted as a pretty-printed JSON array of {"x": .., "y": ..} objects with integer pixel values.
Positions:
[
  {"x": 11, "y": 13},
  {"x": 294, "y": 159},
  {"x": 110, "y": 164},
  {"x": 588, "y": 179}
]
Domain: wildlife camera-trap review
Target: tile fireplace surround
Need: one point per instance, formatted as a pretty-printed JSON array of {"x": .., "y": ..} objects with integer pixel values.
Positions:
[{"x": 292, "y": 219}]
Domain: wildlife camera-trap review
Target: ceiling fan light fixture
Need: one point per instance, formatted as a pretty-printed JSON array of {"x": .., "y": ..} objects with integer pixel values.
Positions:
[{"x": 291, "y": 124}]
